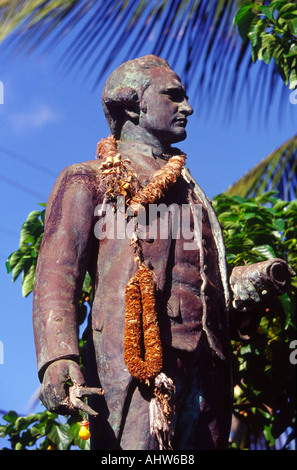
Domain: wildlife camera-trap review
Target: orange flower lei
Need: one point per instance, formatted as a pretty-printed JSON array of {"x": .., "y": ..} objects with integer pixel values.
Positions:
[
  {"x": 118, "y": 178},
  {"x": 161, "y": 182},
  {"x": 141, "y": 319},
  {"x": 141, "y": 322}
]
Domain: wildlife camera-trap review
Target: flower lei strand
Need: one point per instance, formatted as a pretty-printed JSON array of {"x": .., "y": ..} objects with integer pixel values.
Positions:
[
  {"x": 141, "y": 322},
  {"x": 141, "y": 315}
]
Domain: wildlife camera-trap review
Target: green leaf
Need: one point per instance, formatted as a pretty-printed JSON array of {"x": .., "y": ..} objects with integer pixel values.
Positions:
[
  {"x": 28, "y": 281},
  {"x": 244, "y": 19},
  {"x": 243, "y": 10},
  {"x": 288, "y": 11},
  {"x": 24, "y": 263},
  {"x": 8, "y": 266},
  {"x": 24, "y": 259},
  {"x": 292, "y": 51},
  {"x": 11, "y": 417},
  {"x": 280, "y": 205},
  {"x": 87, "y": 285},
  {"x": 277, "y": 4},
  {"x": 265, "y": 251},
  {"x": 61, "y": 436},
  {"x": 279, "y": 225},
  {"x": 293, "y": 79},
  {"x": 29, "y": 240},
  {"x": 30, "y": 225},
  {"x": 15, "y": 257},
  {"x": 32, "y": 228},
  {"x": 267, "y": 49},
  {"x": 255, "y": 36},
  {"x": 268, "y": 11},
  {"x": 268, "y": 435},
  {"x": 293, "y": 26},
  {"x": 21, "y": 423},
  {"x": 286, "y": 303}
]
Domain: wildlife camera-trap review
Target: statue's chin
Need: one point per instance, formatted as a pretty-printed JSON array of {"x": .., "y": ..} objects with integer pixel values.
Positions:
[{"x": 178, "y": 137}]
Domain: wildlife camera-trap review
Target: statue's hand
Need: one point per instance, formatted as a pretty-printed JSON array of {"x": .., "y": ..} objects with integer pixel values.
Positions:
[
  {"x": 250, "y": 284},
  {"x": 63, "y": 387}
]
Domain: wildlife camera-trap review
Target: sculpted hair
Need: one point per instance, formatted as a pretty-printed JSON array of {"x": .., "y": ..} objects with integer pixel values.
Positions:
[{"x": 124, "y": 88}]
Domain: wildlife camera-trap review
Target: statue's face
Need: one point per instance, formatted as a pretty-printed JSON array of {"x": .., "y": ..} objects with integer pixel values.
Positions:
[{"x": 164, "y": 107}]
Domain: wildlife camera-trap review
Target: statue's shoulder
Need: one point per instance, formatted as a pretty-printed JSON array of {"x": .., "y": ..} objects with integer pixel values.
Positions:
[
  {"x": 77, "y": 177},
  {"x": 88, "y": 169},
  {"x": 79, "y": 173}
]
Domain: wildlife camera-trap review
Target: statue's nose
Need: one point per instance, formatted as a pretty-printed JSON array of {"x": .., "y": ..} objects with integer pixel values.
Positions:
[{"x": 186, "y": 108}]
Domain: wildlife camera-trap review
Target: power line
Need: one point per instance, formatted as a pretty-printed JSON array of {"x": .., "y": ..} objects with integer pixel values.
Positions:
[
  {"x": 35, "y": 165},
  {"x": 23, "y": 188}
]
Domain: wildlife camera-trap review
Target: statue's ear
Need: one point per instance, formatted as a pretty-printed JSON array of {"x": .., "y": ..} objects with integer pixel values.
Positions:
[
  {"x": 127, "y": 99},
  {"x": 132, "y": 113}
]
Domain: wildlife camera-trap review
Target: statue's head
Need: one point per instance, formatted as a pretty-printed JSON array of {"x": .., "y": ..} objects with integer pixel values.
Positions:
[{"x": 136, "y": 91}]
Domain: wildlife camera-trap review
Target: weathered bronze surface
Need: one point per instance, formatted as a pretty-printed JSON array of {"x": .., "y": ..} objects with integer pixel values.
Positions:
[{"x": 147, "y": 109}]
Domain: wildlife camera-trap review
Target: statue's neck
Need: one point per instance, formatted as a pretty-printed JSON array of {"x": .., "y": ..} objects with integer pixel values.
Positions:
[{"x": 135, "y": 133}]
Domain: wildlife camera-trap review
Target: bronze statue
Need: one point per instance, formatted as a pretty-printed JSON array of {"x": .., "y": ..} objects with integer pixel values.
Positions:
[{"x": 163, "y": 311}]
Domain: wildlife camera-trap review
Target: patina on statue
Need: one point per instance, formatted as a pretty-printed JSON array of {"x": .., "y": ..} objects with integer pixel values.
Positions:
[{"x": 198, "y": 303}]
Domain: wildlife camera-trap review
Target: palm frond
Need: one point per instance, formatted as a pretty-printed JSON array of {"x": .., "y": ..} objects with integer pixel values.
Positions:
[
  {"x": 276, "y": 172},
  {"x": 197, "y": 37}
]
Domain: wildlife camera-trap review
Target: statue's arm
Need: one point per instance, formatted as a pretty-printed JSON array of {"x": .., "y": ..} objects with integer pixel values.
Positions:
[
  {"x": 253, "y": 284},
  {"x": 60, "y": 272}
]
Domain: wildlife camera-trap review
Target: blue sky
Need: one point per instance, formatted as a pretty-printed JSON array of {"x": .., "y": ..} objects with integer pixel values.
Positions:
[{"x": 51, "y": 119}]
